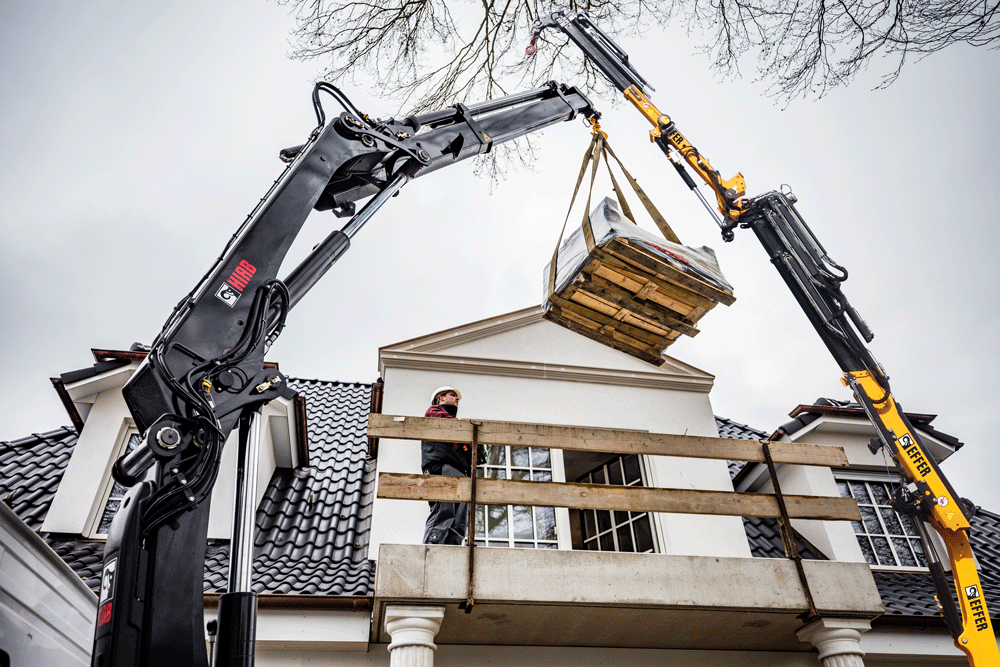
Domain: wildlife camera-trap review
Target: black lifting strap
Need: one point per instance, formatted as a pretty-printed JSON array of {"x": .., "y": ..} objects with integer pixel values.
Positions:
[
  {"x": 598, "y": 148},
  {"x": 470, "y": 600},
  {"x": 788, "y": 535},
  {"x": 466, "y": 116}
]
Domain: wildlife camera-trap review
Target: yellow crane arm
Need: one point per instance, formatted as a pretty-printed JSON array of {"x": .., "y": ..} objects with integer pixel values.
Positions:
[
  {"x": 729, "y": 193},
  {"x": 931, "y": 498}
]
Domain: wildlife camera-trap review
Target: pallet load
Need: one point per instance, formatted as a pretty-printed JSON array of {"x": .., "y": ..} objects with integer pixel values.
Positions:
[{"x": 629, "y": 289}]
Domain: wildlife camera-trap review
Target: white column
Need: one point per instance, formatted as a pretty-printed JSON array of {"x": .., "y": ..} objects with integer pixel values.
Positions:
[
  {"x": 412, "y": 630},
  {"x": 838, "y": 640}
]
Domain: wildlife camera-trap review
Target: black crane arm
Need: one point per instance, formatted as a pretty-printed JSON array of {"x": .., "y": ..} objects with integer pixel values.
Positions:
[{"x": 206, "y": 367}]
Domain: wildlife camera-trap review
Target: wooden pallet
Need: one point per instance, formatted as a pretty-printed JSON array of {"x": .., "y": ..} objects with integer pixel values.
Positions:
[{"x": 630, "y": 299}]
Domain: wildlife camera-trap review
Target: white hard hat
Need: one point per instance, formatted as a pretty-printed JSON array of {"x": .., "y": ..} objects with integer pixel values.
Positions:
[{"x": 441, "y": 390}]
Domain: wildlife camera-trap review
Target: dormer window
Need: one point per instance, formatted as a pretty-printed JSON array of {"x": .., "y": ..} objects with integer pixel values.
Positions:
[
  {"x": 886, "y": 537},
  {"x": 117, "y": 492}
]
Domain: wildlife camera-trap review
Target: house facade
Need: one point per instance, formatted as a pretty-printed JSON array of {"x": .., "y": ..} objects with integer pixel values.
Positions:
[{"x": 343, "y": 579}]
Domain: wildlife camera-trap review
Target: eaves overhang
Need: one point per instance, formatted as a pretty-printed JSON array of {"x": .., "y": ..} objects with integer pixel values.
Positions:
[{"x": 404, "y": 359}]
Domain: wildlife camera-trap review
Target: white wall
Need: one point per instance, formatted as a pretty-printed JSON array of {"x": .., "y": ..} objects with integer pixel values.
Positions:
[{"x": 559, "y": 401}]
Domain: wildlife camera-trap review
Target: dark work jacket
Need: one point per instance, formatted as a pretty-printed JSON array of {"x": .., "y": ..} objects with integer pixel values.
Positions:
[{"x": 433, "y": 454}]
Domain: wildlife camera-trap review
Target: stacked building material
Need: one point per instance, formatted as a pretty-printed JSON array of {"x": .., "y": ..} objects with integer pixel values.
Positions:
[{"x": 630, "y": 289}]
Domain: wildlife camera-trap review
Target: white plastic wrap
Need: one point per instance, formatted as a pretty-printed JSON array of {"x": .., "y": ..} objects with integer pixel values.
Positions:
[{"x": 608, "y": 224}]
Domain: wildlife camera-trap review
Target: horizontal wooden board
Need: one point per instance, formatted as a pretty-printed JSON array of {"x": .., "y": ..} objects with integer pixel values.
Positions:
[
  {"x": 614, "y": 441},
  {"x": 697, "y": 302},
  {"x": 440, "y": 488}
]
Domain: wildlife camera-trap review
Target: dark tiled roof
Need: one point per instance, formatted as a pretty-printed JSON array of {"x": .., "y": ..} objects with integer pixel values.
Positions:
[
  {"x": 84, "y": 557},
  {"x": 30, "y": 471},
  {"x": 312, "y": 524},
  {"x": 732, "y": 429},
  {"x": 912, "y": 593},
  {"x": 765, "y": 540}
]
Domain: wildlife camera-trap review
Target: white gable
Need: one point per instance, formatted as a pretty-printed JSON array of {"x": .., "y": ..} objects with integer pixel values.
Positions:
[{"x": 524, "y": 341}]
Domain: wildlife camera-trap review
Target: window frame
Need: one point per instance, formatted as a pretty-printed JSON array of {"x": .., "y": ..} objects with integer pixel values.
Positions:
[
  {"x": 560, "y": 515},
  {"x": 889, "y": 479},
  {"x": 613, "y": 530},
  {"x": 107, "y": 486}
]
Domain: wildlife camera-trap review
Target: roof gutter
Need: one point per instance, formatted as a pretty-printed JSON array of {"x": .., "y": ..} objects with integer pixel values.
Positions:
[
  {"x": 74, "y": 414},
  {"x": 279, "y": 601}
]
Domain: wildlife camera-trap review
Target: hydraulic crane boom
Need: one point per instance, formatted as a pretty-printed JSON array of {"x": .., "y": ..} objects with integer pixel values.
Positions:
[
  {"x": 611, "y": 60},
  {"x": 205, "y": 371},
  {"x": 815, "y": 281}
]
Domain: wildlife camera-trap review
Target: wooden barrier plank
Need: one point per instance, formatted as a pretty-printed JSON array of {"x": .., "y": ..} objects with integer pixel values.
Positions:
[
  {"x": 613, "y": 441},
  {"x": 440, "y": 488}
]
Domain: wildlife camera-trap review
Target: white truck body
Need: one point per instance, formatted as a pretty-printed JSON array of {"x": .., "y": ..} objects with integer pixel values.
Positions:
[{"x": 47, "y": 613}]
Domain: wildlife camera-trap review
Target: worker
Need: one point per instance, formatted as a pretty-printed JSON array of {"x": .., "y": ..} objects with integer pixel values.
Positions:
[{"x": 448, "y": 522}]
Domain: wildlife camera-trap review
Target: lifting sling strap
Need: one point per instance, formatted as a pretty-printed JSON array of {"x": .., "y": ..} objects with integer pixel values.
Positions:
[{"x": 598, "y": 148}]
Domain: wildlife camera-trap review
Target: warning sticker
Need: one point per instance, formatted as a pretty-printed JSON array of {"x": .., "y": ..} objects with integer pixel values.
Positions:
[
  {"x": 108, "y": 580},
  {"x": 228, "y": 295}
]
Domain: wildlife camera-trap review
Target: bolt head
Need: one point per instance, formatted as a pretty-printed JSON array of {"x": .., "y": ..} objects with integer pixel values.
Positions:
[{"x": 168, "y": 437}]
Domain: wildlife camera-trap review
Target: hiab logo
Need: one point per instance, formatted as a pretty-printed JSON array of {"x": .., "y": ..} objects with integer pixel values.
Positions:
[{"x": 231, "y": 290}]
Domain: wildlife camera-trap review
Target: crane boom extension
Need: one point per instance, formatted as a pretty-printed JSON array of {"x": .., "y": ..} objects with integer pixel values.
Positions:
[
  {"x": 611, "y": 60},
  {"x": 815, "y": 281},
  {"x": 206, "y": 367}
]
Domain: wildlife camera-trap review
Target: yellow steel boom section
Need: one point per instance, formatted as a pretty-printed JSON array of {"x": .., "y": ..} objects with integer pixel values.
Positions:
[
  {"x": 945, "y": 515},
  {"x": 728, "y": 193}
]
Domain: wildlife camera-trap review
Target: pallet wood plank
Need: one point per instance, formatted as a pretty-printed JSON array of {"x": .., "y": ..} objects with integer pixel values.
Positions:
[
  {"x": 647, "y": 294},
  {"x": 636, "y": 256},
  {"x": 664, "y": 319},
  {"x": 579, "y": 324},
  {"x": 635, "y": 283},
  {"x": 441, "y": 488},
  {"x": 650, "y": 338},
  {"x": 700, "y": 303},
  {"x": 613, "y": 441}
]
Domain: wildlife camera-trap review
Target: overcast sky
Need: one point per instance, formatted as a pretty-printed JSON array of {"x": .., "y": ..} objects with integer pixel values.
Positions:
[{"x": 135, "y": 137}]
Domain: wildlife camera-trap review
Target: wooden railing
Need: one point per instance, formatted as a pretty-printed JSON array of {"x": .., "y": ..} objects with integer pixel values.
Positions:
[
  {"x": 601, "y": 496},
  {"x": 476, "y": 491}
]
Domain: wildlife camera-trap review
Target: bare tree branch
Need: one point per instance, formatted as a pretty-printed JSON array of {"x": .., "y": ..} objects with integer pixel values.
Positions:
[{"x": 428, "y": 54}]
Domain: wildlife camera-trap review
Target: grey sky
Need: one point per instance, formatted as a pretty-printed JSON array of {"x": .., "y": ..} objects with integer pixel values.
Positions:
[{"x": 135, "y": 137}]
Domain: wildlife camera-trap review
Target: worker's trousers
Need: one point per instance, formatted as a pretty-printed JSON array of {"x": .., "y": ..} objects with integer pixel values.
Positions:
[{"x": 448, "y": 523}]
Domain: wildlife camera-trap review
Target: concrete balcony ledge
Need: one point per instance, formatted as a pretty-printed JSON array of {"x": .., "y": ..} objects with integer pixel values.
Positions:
[{"x": 583, "y": 598}]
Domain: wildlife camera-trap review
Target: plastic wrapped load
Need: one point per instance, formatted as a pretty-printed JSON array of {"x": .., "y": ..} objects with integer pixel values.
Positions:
[{"x": 629, "y": 288}]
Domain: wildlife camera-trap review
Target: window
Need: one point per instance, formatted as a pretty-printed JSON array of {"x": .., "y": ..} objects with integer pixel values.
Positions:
[
  {"x": 117, "y": 492},
  {"x": 886, "y": 537},
  {"x": 606, "y": 530},
  {"x": 516, "y": 525}
]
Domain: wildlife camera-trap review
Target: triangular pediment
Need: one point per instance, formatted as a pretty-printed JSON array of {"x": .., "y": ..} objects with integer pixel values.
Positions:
[{"x": 523, "y": 342}]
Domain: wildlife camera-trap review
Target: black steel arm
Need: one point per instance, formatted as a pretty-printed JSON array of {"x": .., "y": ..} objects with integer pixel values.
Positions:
[{"x": 206, "y": 367}]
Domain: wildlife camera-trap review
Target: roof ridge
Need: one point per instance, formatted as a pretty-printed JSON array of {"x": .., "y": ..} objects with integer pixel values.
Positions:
[{"x": 41, "y": 437}]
